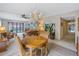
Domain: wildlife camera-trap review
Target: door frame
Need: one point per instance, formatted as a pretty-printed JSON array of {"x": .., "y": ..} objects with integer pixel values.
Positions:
[{"x": 61, "y": 30}]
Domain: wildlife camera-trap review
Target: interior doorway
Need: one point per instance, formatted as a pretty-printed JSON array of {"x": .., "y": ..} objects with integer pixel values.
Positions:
[{"x": 68, "y": 30}]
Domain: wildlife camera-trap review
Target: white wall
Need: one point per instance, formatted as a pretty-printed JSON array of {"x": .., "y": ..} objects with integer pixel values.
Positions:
[
  {"x": 0, "y": 22},
  {"x": 56, "y": 21}
]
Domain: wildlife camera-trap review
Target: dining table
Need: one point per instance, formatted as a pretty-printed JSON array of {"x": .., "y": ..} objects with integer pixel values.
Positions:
[{"x": 34, "y": 41}]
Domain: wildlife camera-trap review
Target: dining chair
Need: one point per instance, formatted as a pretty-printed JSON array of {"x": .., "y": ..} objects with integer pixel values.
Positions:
[
  {"x": 20, "y": 47},
  {"x": 22, "y": 50},
  {"x": 44, "y": 49}
]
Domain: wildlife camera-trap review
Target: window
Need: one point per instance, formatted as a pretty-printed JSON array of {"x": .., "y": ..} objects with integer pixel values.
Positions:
[
  {"x": 15, "y": 27},
  {"x": 71, "y": 28}
]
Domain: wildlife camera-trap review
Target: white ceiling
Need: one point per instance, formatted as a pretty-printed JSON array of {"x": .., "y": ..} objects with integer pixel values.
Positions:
[
  {"x": 10, "y": 16},
  {"x": 50, "y": 9}
]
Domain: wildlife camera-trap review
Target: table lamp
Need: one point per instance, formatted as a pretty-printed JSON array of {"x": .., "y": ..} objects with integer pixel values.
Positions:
[{"x": 2, "y": 30}]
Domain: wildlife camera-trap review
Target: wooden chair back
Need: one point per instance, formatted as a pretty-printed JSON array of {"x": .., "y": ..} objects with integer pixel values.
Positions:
[{"x": 21, "y": 48}]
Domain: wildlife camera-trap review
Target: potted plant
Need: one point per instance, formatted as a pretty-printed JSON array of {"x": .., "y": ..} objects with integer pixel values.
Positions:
[{"x": 51, "y": 32}]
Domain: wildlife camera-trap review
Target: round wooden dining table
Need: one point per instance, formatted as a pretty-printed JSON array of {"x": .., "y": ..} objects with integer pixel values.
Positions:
[{"x": 34, "y": 41}]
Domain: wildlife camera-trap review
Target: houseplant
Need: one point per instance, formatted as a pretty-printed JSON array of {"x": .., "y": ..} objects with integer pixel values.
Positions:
[{"x": 51, "y": 32}]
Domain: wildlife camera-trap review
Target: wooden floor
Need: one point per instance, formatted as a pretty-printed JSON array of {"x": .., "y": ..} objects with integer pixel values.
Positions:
[
  {"x": 54, "y": 50},
  {"x": 69, "y": 37}
]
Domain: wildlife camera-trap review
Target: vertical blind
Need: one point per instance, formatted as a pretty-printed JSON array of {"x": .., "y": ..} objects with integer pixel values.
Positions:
[{"x": 15, "y": 27}]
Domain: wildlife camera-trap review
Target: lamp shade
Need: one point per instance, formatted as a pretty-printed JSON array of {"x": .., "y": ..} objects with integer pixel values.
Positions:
[{"x": 2, "y": 29}]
